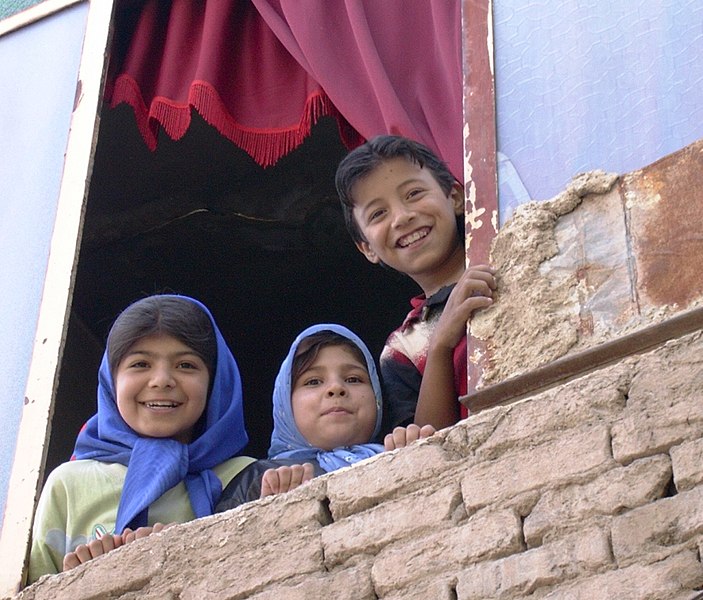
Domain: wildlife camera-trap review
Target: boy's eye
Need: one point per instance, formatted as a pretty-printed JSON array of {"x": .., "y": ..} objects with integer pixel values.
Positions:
[
  {"x": 414, "y": 193},
  {"x": 375, "y": 215}
]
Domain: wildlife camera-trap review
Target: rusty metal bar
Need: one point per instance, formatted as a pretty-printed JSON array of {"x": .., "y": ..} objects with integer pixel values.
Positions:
[
  {"x": 580, "y": 363},
  {"x": 480, "y": 176}
]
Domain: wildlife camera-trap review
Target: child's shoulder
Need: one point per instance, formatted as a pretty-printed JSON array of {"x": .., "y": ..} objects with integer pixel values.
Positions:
[{"x": 227, "y": 470}]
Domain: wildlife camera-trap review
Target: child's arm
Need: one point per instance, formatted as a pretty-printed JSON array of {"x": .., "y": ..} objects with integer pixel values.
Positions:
[
  {"x": 402, "y": 436},
  {"x": 437, "y": 402},
  {"x": 285, "y": 478}
]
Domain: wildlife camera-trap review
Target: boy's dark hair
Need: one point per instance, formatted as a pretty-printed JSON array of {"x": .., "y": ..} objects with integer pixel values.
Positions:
[
  {"x": 309, "y": 348},
  {"x": 363, "y": 160},
  {"x": 177, "y": 317}
]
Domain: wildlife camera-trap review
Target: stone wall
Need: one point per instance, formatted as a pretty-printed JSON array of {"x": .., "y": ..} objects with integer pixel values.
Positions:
[{"x": 591, "y": 487}]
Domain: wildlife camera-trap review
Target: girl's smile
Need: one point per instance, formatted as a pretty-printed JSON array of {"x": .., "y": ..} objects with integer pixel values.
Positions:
[{"x": 161, "y": 388}]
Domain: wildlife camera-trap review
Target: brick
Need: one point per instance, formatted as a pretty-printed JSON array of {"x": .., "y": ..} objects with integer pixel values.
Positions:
[
  {"x": 368, "y": 532},
  {"x": 137, "y": 563},
  {"x": 610, "y": 494},
  {"x": 526, "y": 572},
  {"x": 687, "y": 464},
  {"x": 436, "y": 588},
  {"x": 532, "y": 468},
  {"x": 235, "y": 571},
  {"x": 544, "y": 416},
  {"x": 674, "y": 578},
  {"x": 272, "y": 516},
  {"x": 384, "y": 477},
  {"x": 346, "y": 584},
  {"x": 483, "y": 537},
  {"x": 658, "y": 529}
]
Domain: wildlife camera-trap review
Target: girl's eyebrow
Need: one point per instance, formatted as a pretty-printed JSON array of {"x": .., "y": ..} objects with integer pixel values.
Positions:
[{"x": 177, "y": 354}]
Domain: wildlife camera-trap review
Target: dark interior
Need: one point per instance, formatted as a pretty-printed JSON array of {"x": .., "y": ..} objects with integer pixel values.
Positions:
[{"x": 265, "y": 249}]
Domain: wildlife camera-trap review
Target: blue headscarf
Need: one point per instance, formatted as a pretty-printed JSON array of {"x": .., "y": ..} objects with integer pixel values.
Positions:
[
  {"x": 286, "y": 439},
  {"x": 155, "y": 465}
]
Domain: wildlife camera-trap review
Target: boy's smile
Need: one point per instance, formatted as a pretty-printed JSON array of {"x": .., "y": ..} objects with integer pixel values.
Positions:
[
  {"x": 161, "y": 388},
  {"x": 409, "y": 223},
  {"x": 333, "y": 401}
]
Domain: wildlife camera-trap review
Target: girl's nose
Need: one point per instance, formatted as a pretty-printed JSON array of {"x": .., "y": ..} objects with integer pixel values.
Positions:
[
  {"x": 161, "y": 377},
  {"x": 336, "y": 389}
]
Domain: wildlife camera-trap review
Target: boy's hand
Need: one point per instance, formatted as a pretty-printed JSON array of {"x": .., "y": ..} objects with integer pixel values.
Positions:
[
  {"x": 285, "y": 478},
  {"x": 474, "y": 290},
  {"x": 402, "y": 436},
  {"x": 93, "y": 549}
]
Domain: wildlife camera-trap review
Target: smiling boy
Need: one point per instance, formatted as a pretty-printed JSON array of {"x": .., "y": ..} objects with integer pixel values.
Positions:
[{"x": 404, "y": 209}]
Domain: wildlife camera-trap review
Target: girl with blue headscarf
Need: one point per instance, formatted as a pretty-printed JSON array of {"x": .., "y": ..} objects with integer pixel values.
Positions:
[
  {"x": 163, "y": 442},
  {"x": 326, "y": 413}
]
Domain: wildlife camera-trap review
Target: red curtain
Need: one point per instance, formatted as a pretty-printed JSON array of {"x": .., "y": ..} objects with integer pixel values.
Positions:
[{"x": 263, "y": 71}]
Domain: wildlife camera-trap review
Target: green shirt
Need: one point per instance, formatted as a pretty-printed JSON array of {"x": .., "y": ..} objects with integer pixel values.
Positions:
[{"x": 79, "y": 503}]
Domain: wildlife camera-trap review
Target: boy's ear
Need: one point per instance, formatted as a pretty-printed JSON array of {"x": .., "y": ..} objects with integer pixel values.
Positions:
[
  {"x": 457, "y": 197},
  {"x": 370, "y": 255}
]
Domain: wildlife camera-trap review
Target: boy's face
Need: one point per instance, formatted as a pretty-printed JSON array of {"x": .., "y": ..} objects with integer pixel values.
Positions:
[
  {"x": 333, "y": 401},
  {"x": 161, "y": 388},
  {"x": 409, "y": 223}
]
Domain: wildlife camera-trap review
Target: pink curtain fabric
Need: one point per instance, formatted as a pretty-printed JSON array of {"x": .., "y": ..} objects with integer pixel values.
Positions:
[
  {"x": 389, "y": 66},
  {"x": 263, "y": 71}
]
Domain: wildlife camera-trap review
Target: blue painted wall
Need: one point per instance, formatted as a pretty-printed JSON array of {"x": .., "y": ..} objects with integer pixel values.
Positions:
[
  {"x": 38, "y": 70},
  {"x": 586, "y": 84}
]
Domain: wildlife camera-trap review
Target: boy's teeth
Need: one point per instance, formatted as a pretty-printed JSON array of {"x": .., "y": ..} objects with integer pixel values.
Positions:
[{"x": 413, "y": 237}]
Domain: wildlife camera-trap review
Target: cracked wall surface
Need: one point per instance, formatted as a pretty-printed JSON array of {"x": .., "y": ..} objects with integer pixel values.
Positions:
[
  {"x": 590, "y": 488},
  {"x": 607, "y": 256}
]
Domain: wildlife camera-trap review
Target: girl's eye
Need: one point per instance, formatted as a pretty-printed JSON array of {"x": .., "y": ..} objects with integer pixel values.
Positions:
[
  {"x": 187, "y": 365},
  {"x": 313, "y": 381},
  {"x": 139, "y": 364},
  {"x": 354, "y": 379},
  {"x": 414, "y": 193}
]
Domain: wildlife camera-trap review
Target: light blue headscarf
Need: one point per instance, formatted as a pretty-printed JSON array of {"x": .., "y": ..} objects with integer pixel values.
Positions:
[
  {"x": 286, "y": 439},
  {"x": 155, "y": 465}
]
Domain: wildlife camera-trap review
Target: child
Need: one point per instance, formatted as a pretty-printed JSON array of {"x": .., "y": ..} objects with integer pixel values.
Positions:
[
  {"x": 161, "y": 446},
  {"x": 326, "y": 409},
  {"x": 401, "y": 206}
]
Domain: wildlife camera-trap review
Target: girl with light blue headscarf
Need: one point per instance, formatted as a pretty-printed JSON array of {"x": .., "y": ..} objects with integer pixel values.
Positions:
[
  {"x": 164, "y": 441},
  {"x": 327, "y": 408}
]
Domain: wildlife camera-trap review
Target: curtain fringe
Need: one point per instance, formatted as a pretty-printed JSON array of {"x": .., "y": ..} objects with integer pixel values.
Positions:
[{"x": 265, "y": 146}]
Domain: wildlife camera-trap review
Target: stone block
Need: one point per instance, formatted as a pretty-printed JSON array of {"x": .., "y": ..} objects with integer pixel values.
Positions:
[
  {"x": 384, "y": 477},
  {"x": 523, "y": 573},
  {"x": 569, "y": 458},
  {"x": 483, "y": 537},
  {"x": 659, "y": 529},
  {"x": 687, "y": 464},
  {"x": 610, "y": 494},
  {"x": 674, "y": 578},
  {"x": 414, "y": 515}
]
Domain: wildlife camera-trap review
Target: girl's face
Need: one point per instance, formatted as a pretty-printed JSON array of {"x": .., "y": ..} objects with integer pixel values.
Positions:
[
  {"x": 161, "y": 387},
  {"x": 333, "y": 401}
]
